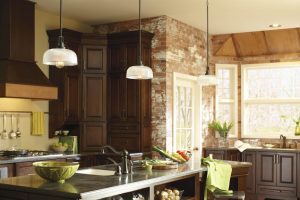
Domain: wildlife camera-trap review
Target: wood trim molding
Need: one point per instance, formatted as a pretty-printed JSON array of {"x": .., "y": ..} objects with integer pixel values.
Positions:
[{"x": 12, "y": 90}]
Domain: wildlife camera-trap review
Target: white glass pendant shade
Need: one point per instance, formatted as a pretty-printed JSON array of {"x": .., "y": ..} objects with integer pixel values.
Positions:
[
  {"x": 60, "y": 57},
  {"x": 139, "y": 72},
  {"x": 206, "y": 80}
]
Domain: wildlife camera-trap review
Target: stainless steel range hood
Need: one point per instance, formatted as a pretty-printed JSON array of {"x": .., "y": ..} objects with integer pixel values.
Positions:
[{"x": 20, "y": 77}]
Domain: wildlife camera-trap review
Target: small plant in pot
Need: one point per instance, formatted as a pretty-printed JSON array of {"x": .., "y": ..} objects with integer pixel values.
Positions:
[{"x": 223, "y": 130}]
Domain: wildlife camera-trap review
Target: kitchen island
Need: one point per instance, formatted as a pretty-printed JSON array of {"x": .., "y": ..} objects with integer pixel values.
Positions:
[{"x": 93, "y": 187}]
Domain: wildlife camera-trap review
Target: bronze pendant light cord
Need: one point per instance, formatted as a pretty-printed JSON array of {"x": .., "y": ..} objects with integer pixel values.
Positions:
[
  {"x": 60, "y": 37},
  {"x": 207, "y": 40},
  {"x": 140, "y": 34}
]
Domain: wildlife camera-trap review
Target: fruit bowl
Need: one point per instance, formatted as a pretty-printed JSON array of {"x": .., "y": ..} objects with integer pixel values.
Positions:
[
  {"x": 55, "y": 171},
  {"x": 59, "y": 147}
]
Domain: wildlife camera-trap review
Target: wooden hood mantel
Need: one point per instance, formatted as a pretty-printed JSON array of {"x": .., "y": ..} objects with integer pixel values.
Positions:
[{"x": 20, "y": 77}]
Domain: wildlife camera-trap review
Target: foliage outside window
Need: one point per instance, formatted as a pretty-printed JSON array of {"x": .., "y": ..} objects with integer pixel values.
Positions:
[{"x": 270, "y": 99}]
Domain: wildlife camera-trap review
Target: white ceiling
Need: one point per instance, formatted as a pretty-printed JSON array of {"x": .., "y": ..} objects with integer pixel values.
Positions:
[{"x": 226, "y": 16}]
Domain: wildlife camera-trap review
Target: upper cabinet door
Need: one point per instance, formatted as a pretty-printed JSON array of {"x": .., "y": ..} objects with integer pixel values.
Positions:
[
  {"x": 286, "y": 169},
  {"x": 132, "y": 57},
  {"x": 266, "y": 168},
  {"x": 94, "y": 97},
  {"x": 131, "y": 105},
  {"x": 116, "y": 59},
  {"x": 116, "y": 97},
  {"x": 71, "y": 96},
  {"x": 94, "y": 59}
]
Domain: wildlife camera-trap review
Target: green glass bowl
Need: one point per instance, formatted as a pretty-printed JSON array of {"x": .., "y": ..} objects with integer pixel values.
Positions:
[{"x": 55, "y": 171}]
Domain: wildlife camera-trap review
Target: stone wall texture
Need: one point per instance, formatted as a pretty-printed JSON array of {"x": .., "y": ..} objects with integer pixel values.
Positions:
[{"x": 176, "y": 47}]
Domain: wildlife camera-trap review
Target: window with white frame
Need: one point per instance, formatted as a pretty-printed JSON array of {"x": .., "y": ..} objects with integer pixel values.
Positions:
[
  {"x": 226, "y": 100},
  {"x": 270, "y": 99}
]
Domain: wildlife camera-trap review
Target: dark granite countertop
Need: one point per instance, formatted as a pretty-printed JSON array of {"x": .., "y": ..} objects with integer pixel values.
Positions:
[
  {"x": 96, "y": 187},
  {"x": 4, "y": 160},
  {"x": 284, "y": 150}
]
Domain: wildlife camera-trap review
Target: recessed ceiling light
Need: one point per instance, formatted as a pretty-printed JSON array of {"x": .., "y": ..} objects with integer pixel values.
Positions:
[{"x": 275, "y": 25}]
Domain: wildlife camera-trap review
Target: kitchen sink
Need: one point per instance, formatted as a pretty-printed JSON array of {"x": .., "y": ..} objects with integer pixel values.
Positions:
[{"x": 98, "y": 172}]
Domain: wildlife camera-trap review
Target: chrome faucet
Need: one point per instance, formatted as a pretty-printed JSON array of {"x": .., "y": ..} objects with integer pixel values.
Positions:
[
  {"x": 126, "y": 163},
  {"x": 283, "y": 138}
]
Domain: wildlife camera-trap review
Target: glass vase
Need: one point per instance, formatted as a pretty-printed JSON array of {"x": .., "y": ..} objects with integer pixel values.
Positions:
[{"x": 223, "y": 142}]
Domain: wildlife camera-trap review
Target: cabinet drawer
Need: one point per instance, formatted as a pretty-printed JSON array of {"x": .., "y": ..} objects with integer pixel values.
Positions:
[
  {"x": 129, "y": 142},
  {"x": 282, "y": 191},
  {"x": 24, "y": 168},
  {"x": 123, "y": 128}
]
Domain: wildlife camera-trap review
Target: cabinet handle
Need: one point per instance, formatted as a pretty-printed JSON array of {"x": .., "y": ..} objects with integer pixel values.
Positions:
[
  {"x": 275, "y": 158},
  {"x": 278, "y": 159}
]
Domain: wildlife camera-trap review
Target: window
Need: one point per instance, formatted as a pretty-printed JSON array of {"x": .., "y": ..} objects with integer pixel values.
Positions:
[
  {"x": 226, "y": 101},
  {"x": 270, "y": 99},
  {"x": 186, "y": 134}
]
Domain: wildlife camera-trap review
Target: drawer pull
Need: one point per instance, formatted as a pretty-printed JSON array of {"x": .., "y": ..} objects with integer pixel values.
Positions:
[{"x": 270, "y": 190}]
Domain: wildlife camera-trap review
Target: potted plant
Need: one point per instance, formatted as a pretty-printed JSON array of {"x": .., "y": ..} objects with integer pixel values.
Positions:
[{"x": 223, "y": 130}]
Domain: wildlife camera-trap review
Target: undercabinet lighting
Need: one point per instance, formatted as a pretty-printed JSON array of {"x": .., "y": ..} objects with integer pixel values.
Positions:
[{"x": 275, "y": 25}]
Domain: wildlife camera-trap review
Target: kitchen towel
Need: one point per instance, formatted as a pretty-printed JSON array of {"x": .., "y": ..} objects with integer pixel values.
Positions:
[
  {"x": 241, "y": 146},
  {"x": 218, "y": 176},
  {"x": 38, "y": 125}
]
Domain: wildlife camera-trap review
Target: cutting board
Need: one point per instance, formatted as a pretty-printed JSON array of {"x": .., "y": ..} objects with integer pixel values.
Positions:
[{"x": 165, "y": 166}]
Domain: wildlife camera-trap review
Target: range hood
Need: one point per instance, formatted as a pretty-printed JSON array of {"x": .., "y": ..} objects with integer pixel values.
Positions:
[{"x": 20, "y": 77}]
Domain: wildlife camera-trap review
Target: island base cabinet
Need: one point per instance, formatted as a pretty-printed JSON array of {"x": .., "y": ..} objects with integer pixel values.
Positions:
[{"x": 188, "y": 183}]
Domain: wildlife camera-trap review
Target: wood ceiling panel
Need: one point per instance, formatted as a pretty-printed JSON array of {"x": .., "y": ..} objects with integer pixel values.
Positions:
[
  {"x": 250, "y": 44},
  {"x": 218, "y": 41},
  {"x": 283, "y": 41},
  {"x": 227, "y": 49}
]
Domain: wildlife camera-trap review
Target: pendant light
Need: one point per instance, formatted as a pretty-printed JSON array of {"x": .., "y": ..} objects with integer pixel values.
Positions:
[
  {"x": 60, "y": 56},
  {"x": 139, "y": 71},
  {"x": 207, "y": 79}
]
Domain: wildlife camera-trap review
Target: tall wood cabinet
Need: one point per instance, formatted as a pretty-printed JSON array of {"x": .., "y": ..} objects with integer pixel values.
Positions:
[
  {"x": 129, "y": 101},
  {"x": 96, "y": 102},
  {"x": 81, "y": 104},
  {"x": 94, "y": 67}
]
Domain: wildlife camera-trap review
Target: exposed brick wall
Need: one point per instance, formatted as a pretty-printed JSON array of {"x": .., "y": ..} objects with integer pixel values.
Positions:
[{"x": 176, "y": 47}]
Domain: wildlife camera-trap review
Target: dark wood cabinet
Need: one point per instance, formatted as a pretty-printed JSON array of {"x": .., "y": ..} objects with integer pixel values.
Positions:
[
  {"x": 94, "y": 58},
  {"x": 71, "y": 97},
  {"x": 276, "y": 174},
  {"x": 223, "y": 154},
  {"x": 286, "y": 170},
  {"x": 24, "y": 168},
  {"x": 94, "y": 97},
  {"x": 129, "y": 101},
  {"x": 93, "y": 136},
  {"x": 124, "y": 99},
  {"x": 116, "y": 59},
  {"x": 266, "y": 168},
  {"x": 116, "y": 96},
  {"x": 250, "y": 156},
  {"x": 298, "y": 174},
  {"x": 65, "y": 111},
  {"x": 81, "y": 105},
  {"x": 93, "y": 133},
  {"x": 276, "y": 169},
  {"x": 130, "y": 142}
]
